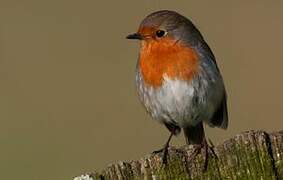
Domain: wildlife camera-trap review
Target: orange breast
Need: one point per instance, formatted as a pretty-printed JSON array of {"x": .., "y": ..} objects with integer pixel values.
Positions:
[{"x": 166, "y": 57}]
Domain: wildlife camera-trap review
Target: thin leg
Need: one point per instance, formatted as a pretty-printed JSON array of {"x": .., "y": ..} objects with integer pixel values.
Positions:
[
  {"x": 207, "y": 150},
  {"x": 164, "y": 150},
  {"x": 211, "y": 148}
]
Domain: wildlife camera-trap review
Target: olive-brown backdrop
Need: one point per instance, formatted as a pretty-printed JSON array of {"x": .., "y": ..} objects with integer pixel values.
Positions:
[{"x": 67, "y": 97}]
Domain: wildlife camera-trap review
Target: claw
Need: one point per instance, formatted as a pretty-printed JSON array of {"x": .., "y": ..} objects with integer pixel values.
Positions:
[
  {"x": 158, "y": 151},
  {"x": 207, "y": 150},
  {"x": 164, "y": 150}
]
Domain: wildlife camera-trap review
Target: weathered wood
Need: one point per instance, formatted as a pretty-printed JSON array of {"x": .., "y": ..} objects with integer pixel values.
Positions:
[{"x": 253, "y": 155}]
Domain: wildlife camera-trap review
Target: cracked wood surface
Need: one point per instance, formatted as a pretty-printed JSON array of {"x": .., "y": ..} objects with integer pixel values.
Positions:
[{"x": 251, "y": 155}]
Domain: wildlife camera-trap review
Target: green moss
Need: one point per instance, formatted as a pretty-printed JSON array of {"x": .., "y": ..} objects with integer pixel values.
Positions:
[
  {"x": 175, "y": 170},
  {"x": 250, "y": 163},
  {"x": 279, "y": 167},
  {"x": 239, "y": 159}
]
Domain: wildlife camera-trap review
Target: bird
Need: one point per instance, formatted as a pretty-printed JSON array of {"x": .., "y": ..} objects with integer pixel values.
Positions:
[{"x": 177, "y": 78}]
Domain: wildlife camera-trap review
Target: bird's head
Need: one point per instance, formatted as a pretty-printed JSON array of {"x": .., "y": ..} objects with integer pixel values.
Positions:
[
  {"x": 166, "y": 48},
  {"x": 162, "y": 26}
]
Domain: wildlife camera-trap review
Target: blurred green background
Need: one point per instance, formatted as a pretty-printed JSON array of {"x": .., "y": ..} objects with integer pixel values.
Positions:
[{"x": 68, "y": 103}]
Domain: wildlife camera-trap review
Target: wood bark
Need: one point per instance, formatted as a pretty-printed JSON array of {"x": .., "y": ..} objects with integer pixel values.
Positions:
[{"x": 252, "y": 155}]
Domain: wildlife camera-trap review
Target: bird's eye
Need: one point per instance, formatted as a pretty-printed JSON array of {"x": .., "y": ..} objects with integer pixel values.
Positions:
[{"x": 160, "y": 33}]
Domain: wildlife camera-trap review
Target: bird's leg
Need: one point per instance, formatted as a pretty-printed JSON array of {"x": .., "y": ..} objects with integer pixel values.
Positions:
[
  {"x": 164, "y": 150},
  {"x": 211, "y": 148},
  {"x": 207, "y": 151},
  {"x": 174, "y": 130}
]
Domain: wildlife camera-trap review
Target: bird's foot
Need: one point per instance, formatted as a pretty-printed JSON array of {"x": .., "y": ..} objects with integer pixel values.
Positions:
[
  {"x": 208, "y": 150},
  {"x": 158, "y": 151},
  {"x": 164, "y": 152}
]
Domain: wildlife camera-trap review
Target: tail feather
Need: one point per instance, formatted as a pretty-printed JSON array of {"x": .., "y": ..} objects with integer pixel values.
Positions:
[
  {"x": 194, "y": 134},
  {"x": 220, "y": 117}
]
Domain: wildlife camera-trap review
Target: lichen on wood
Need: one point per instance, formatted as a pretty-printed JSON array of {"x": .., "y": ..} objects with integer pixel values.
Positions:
[{"x": 252, "y": 155}]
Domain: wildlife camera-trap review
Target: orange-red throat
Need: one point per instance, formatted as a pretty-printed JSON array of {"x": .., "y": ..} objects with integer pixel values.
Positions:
[{"x": 166, "y": 57}]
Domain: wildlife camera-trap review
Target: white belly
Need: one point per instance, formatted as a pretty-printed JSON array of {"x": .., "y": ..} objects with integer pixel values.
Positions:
[
  {"x": 175, "y": 98},
  {"x": 180, "y": 102}
]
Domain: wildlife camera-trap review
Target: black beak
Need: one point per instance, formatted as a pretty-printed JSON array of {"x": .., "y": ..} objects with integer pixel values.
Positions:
[{"x": 135, "y": 36}]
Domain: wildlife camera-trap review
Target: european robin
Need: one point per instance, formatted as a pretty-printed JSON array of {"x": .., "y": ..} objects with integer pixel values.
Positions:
[{"x": 177, "y": 78}]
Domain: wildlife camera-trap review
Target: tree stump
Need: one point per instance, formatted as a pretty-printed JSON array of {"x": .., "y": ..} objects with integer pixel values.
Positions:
[{"x": 252, "y": 155}]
